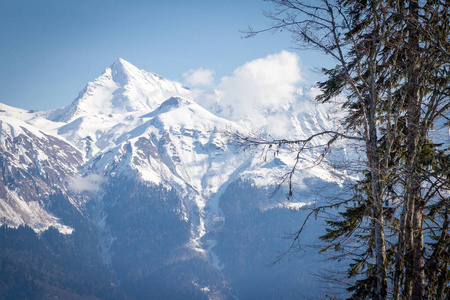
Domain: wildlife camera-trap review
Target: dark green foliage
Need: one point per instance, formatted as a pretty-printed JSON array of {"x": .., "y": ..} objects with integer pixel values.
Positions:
[
  {"x": 437, "y": 266},
  {"x": 392, "y": 66},
  {"x": 254, "y": 235},
  {"x": 351, "y": 236},
  {"x": 150, "y": 254},
  {"x": 35, "y": 266}
]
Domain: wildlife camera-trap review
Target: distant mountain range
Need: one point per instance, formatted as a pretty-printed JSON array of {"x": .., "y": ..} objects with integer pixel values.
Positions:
[{"x": 138, "y": 182}]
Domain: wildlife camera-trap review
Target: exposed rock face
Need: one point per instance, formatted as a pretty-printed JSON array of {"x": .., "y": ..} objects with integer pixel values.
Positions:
[{"x": 33, "y": 165}]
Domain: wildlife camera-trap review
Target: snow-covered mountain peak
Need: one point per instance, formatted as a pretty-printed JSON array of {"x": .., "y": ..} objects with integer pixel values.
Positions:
[
  {"x": 122, "y": 64},
  {"x": 122, "y": 88},
  {"x": 122, "y": 72},
  {"x": 135, "y": 124}
]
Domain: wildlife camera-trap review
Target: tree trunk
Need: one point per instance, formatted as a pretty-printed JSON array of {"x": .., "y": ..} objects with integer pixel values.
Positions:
[
  {"x": 444, "y": 276},
  {"x": 418, "y": 290},
  {"x": 409, "y": 248},
  {"x": 373, "y": 156},
  {"x": 414, "y": 259},
  {"x": 377, "y": 215},
  {"x": 399, "y": 262}
]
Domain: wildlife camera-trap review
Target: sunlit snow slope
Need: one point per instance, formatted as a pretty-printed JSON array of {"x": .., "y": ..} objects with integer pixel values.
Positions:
[
  {"x": 129, "y": 131},
  {"x": 135, "y": 123}
]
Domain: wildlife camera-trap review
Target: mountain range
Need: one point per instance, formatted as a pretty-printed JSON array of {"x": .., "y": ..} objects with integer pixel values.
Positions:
[{"x": 136, "y": 191}]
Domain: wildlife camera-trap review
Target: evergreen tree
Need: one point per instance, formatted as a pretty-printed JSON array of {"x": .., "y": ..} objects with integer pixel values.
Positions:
[{"x": 392, "y": 64}]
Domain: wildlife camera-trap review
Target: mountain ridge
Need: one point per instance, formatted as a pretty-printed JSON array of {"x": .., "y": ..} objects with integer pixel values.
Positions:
[
  {"x": 98, "y": 131},
  {"x": 134, "y": 151}
]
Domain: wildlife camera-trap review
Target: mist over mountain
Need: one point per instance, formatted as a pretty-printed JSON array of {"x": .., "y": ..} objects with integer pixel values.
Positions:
[{"x": 136, "y": 180}]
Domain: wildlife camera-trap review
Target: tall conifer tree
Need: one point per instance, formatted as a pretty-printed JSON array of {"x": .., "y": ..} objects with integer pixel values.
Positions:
[{"x": 392, "y": 64}]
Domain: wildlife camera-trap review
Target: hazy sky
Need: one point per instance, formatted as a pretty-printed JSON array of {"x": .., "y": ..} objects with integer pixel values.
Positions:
[{"x": 50, "y": 49}]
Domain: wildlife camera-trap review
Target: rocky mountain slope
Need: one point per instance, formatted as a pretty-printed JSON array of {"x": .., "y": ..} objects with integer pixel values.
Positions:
[{"x": 166, "y": 192}]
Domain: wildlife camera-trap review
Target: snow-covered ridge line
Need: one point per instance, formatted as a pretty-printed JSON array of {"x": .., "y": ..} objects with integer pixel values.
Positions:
[
  {"x": 132, "y": 123},
  {"x": 122, "y": 88}
]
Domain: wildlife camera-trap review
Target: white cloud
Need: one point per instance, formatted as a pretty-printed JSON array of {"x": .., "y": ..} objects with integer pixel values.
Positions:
[
  {"x": 259, "y": 90},
  {"x": 261, "y": 84},
  {"x": 260, "y": 95},
  {"x": 199, "y": 77},
  {"x": 279, "y": 126},
  {"x": 90, "y": 183}
]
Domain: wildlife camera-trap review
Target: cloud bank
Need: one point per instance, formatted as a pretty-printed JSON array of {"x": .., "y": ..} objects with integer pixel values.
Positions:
[
  {"x": 257, "y": 94},
  {"x": 199, "y": 77},
  {"x": 89, "y": 183},
  {"x": 268, "y": 82}
]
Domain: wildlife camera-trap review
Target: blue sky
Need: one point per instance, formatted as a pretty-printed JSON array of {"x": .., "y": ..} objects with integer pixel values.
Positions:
[{"x": 50, "y": 49}]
